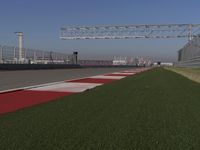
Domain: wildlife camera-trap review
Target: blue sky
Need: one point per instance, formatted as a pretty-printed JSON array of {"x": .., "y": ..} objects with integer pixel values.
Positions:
[{"x": 40, "y": 20}]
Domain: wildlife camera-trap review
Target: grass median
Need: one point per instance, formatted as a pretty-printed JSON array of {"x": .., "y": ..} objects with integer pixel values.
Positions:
[{"x": 157, "y": 109}]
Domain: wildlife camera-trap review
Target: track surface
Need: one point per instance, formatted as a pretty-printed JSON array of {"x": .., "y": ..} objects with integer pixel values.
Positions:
[
  {"x": 15, "y": 100},
  {"x": 17, "y": 79}
]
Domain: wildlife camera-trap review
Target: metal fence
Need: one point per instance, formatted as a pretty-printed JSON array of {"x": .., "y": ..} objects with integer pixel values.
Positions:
[
  {"x": 189, "y": 55},
  {"x": 9, "y": 54},
  {"x": 95, "y": 62}
]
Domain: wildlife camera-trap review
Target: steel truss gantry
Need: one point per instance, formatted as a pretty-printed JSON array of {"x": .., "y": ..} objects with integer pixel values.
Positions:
[{"x": 130, "y": 31}]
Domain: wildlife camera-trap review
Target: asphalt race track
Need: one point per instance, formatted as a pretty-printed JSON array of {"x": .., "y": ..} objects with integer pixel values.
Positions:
[{"x": 17, "y": 79}]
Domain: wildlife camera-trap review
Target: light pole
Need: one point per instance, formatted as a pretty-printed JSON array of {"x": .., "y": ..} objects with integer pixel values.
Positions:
[{"x": 75, "y": 55}]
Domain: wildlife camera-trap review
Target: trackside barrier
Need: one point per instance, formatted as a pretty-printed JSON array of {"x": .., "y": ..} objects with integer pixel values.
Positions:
[{"x": 194, "y": 62}]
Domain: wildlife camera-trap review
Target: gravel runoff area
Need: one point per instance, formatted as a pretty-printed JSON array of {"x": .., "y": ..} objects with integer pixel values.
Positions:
[
  {"x": 157, "y": 109},
  {"x": 17, "y": 79}
]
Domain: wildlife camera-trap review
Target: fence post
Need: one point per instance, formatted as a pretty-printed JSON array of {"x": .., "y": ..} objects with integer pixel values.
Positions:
[
  {"x": 43, "y": 57},
  {"x": 34, "y": 56},
  {"x": 25, "y": 50},
  {"x": 14, "y": 54},
  {"x": 1, "y": 54}
]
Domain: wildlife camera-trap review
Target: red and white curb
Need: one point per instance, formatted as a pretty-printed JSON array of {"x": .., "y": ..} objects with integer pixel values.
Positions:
[
  {"x": 16, "y": 99},
  {"x": 67, "y": 87}
]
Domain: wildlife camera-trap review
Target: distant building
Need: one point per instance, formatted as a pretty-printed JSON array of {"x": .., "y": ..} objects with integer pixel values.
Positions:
[
  {"x": 120, "y": 61},
  {"x": 138, "y": 61},
  {"x": 163, "y": 64},
  {"x": 95, "y": 62}
]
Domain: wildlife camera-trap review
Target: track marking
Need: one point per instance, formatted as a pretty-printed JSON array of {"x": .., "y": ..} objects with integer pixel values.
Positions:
[
  {"x": 108, "y": 77},
  {"x": 19, "y": 98},
  {"x": 93, "y": 80},
  {"x": 13, "y": 101},
  {"x": 67, "y": 87},
  {"x": 124, "y": 73}
]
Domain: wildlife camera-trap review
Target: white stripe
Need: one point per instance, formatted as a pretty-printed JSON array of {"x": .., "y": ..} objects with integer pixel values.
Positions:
[
  {"x": 124, "y": 73},
  {"x": 108, "y": 77},
  {"x": 134, "y": 70},
  {"x": 28, "y": 87},
  {"x": 131, "y": 71},
  {"x": 67, "y": 87}
]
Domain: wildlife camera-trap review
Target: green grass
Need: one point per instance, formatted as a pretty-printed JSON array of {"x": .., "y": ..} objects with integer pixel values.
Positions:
[
  {"x": 190, "y": 73},
  {"x": 158, "y": 109}
]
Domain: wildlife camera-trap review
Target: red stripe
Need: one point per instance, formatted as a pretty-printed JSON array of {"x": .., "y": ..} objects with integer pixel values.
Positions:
[
  {"x": 93, "y": 80},
  {"x": 13, "y": 101}
]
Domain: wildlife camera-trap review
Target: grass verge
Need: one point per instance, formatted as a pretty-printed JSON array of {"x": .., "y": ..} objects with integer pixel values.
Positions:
[
  {"x": 158, "y": 109},
  {"x": 190, "y": 73}
]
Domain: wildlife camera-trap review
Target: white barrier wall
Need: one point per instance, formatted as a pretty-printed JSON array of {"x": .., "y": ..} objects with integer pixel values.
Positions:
[{"x": 189, "y": 55}]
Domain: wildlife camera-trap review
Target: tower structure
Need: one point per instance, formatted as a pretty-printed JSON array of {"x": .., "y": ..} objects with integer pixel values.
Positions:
[{"x": 20, "y": 36}]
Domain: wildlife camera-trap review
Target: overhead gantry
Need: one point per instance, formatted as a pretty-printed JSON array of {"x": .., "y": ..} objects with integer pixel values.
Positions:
[{"x": 130, "y": 31}]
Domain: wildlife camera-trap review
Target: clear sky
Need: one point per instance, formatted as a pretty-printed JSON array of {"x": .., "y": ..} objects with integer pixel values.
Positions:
[{"x": 40, "y": 20}]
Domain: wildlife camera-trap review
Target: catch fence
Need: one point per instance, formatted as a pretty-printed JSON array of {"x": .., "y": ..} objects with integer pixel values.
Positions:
[{"x": 10, "y": 55}]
